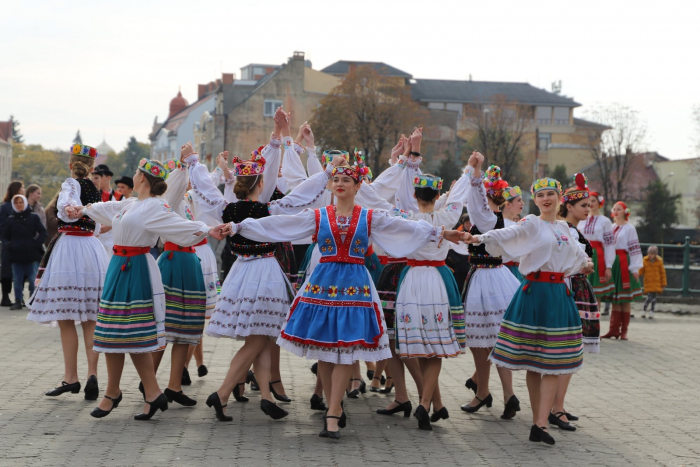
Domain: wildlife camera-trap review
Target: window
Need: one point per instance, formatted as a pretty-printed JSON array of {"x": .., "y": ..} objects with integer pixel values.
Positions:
[
  {"x": 561, "y": 115},
  {"x": 454, "y": 108},
  {"x": 271, "y": 107},
  {"x": 544, "y": 115},
  {"x": 436, "y": 105},
  {"x": 544, "y": 141}
]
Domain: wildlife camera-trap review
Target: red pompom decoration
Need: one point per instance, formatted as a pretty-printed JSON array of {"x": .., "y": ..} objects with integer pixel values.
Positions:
[
  {"x": 93, "y": 152},
  {"x": 580, "y": 181}
]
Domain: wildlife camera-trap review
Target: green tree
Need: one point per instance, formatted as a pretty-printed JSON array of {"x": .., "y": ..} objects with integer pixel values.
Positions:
[
  {"x": 47, "y": 168},
  {"x": 559, "y": 173},
  {"x": 78, "y": 139},
  {"x": 659, "y": 212},
  {"x": 448, "y": 170},
  {"x": 16, "y": 135},
  {"x": 132, "y": 154}
]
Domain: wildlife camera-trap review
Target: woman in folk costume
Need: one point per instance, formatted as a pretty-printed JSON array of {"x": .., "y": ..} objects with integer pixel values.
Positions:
[
  {"x": 598, "y": 230},
  {"x": 336, "y": 317},
  {"x": 255, "y": 296},
  {"x": 512, "y": 209},
  {"x": 132, "y": 317},
  {"x": 541, "y": 329},
  {"x": 625, "y": 272},
  {"x": 71, "y": 274},
  {"x": 428, "y": 299},
  {"x": 490, "y": 287},
  {"x": 574, "y": 208}
]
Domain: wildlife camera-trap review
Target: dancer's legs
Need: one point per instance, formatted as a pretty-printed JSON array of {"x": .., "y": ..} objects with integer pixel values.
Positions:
[
  {"x": 88, "y": 338},
  {"x": 483, "y": 371},
  {"x": 69, "y": 342},
  {"x": 115, "y": 367}
]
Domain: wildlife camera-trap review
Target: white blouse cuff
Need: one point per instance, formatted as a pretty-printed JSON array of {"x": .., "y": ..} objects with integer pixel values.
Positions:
[
  {"x": 275, "y": 142},
  {"x": 192, "y": 158}
]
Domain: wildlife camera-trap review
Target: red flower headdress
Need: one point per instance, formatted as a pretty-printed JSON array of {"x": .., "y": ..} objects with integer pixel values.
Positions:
[
  {"x": 493, "y": 183},
  {"x": 254, "y": 167},
  {"x": 575, "y": 193}
]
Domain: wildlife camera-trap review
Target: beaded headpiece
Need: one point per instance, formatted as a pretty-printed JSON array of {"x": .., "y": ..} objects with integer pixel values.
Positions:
[
  {"x": 354, "y": 172},
  {"x": 627, "y": 210},
  {"x": 426, "y": 181},
  {"x": 599, "y": 197},
  {"x": 83, "y": 150},
  {"x": 575, "y": 193},
  {"x": 328, "y": 156},
  {"x": 153, "y": 168},
  {"x": 545, "y": 184},
  {"x": 254, "y": 167},
  {"x": 512, "y": 192},
  {"x": 360, "y": 163},
  {"x": 493, "y": 183}
]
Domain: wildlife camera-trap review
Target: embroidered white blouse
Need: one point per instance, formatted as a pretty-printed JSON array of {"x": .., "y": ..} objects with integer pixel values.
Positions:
[
  {"x": 600, "y": 229},
  {"x": 626, "y": 239}
]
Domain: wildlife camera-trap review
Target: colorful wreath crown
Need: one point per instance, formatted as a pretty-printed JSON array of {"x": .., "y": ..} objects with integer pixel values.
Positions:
[
  {"x": 154, "y": 168},
  {"x": 493, "y": 183},
  {"x": 426, "y": 181},
  {"x": 83, "y": 150},
  {"x": 172, "y": 164},
  {"x": 545, "y": 184},
  {"x": 577, "y": 192},
  {"x": 352, "y": 172},
  {"x": 254, "y": 167},
  {"x": 512, "y": 192},
  {"x": 360, "y": 164},
  {"x": 328, "y": 156}
]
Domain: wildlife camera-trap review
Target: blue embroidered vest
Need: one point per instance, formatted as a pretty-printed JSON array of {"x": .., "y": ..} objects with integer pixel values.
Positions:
[{"x": 330, "y": 243}]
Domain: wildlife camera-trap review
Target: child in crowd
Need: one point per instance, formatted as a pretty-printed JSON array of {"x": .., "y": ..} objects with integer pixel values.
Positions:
[{"x": 654, "y": 278}]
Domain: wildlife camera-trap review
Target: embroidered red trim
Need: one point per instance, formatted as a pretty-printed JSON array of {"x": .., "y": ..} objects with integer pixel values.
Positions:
[{"x": 415, "y": 263}]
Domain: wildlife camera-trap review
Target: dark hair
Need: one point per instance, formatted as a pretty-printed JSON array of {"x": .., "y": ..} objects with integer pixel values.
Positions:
[
  {"x": 12, "y": 189},
  {"x": 158, "y": 185},
  {"x": 244, "y": 185},
  {"x": 31, "y": 189},
  {"x": 564, "y": 211},
  {"x": 499, "y": 200},
  {"x": 426, "y": 194}
]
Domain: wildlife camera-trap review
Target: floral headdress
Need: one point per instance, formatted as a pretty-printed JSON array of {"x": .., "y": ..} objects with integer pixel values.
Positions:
[
  {"x": 599, "y": 197},
  {"x": 254, "y": 167},
  {"x": 575, "y": 193},
  {"x": 154, "y": 168},
  {"x": 627, "y": 210},
  {"x": 172, "y": 164},
  {"x": 354, "y": 172},
  {"x": 546, "y": 184},
  {"x": 493, "y": 182},
  {"x": 328, "y": 156},
  {"x": 360, "y": 163},
  {"x": 83, "y": 150},
  {"x": 426, "y": 181},
  {"x": 512, "y": 192}
]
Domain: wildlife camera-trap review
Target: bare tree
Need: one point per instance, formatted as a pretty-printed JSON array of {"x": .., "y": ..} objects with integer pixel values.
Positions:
[
  {"x": 614, "y": 150},
  {"x": 500, "y": 126}
]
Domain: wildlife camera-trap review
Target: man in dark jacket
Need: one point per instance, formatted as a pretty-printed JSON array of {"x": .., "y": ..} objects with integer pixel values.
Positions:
[{"x": 25, "y": 235}]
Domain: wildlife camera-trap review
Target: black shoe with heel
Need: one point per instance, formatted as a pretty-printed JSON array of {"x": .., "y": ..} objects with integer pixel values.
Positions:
[
  {"x": 92, "y": 390},
  {"x": 186, "y": 380},
  {"x": 237, "y": 393},
  {"x": 73, "y": 388},
  {"x": 202, "y": 371},
  {"x": 512, "y": 406},
  {"x": 537, "y": 434},
  {"x": 179, "y": 397},
  {"x": 487, "y": 401},
  {"x": 317, "y": 403},
  {"x": 423, "y": 418},
  {"x": 387, "y": 390},
  {"x": 404, "y": 407},
  {"x": 252, "y": 381},
  {"x": 370, "y": 375},
  {"x": 279, "y": 397},
  {"x": 572, "y": 418},
  {"x": 160, "y": 403},
  {"x": 326, "y": 433},
  {"x": 355, "y": 393},
  {"x": 470, "y": 384},
  {"x": 372, "y": 388},
  {"x": 272, "y": 410},
  {"x": 99, "y": 413},
  {"x": 441, "y": 414},
  {"x": 214, "y": 401},
  {"x": 555, "y": 419},
  {"x": 314, "y": 368}
]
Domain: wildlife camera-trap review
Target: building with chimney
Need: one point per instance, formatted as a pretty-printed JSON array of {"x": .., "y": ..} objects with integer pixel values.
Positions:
[{"x": 5, "y": 155}]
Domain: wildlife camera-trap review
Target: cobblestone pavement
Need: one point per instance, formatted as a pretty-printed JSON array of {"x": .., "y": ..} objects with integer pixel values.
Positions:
[{"x": 638, "y": 402}]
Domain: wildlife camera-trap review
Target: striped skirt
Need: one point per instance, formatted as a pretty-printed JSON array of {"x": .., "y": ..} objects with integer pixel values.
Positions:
[
  {"x": 600, "y": 289},
  {"x": 540, "y": 332},
  {"x": 620, "y": 294},
  {"x": 386, "y": 288},
  {"x": 131, "y": 318},
  {"x": 185, "y": 297}
]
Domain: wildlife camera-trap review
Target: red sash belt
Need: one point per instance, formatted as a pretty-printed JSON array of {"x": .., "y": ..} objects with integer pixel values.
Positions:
[
  {"x": 546, "y": 276},
  {"x": 370, "y": 251},
  {"x": 130, "y": 250},
  {"x": 624, "y": 268},
  {"x": 512, "y": 263},
  {"x": 414, "y": 263},
  {"x": 77, "y": 233},
  {"x": 600, "y": 253},
  {"x": 170, "y": 246},
  {"x": 390, "y": 260},
  {"x": 203, "y": 242}
]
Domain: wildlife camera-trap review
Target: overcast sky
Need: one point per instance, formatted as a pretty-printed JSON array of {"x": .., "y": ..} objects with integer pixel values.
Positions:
[{"x": 111, "y": 67}]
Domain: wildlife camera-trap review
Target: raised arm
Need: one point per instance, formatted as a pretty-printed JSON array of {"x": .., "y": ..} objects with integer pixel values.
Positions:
[
  {"x": 293, "y": 171},
  {"x": 177, "y": 182},
  {"x": 209, "y": 200},
  {"x": 480, "y": 212},
  {"x": 303, "y": 196},
  {"x": 282, "y": 228}
]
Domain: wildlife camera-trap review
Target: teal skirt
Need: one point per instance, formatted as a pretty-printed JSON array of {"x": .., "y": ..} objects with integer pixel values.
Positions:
[
  {"x": 374, "y": 266},
  {"x": 516, "y": 272},
  {"x": 301, "y": 274}
]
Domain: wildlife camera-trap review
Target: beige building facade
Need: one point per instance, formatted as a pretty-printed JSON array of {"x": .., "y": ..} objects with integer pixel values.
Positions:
[{"x": 5, "y": 156}]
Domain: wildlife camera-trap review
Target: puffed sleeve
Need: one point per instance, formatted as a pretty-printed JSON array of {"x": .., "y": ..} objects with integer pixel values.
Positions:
[
  {"x": 272, "y": 155},
  {"x": 387, "y": 183},
  {"x": 306, "y": 195},
  {"x": 404, "y": 191},
  {"x": 608, "y": 242},
  {"x": 579, "y": 263},
  {"x": 104, "y": 212},
  {"x": 177, "y": 187},
  {"x": 282, "y": 228},
  {"x": 635, "y": 250},
  {"x": 229, "y": 195},
  {"x": 313, "y": 165},
  {"x": 400, "y": 237},
  {"x": 293, "y": 171},
  {"x": 216, "y": 176},
  {"x": 514, "y": 241},
  {"x": 368, "y": 198},
  {"x": 68, "y": 196},
  {"x": 456, "y": 199},
  {"x": 575, "y": 238},
  {"x": 480, "y": 213},
  {"x": 208, "y": 199},
  {"x": 162, "y": 220}
]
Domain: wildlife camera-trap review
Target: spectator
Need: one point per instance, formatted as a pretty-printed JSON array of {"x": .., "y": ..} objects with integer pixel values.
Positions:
[
  {"x": 654, "y": 278},
  {"x": 34, "y": 199},
  {"x": 125, "y": 186},
  {"x": 15, "y": 188},
  {"x": 24, "y": 234},
  {"x": 102, "y": 178}
]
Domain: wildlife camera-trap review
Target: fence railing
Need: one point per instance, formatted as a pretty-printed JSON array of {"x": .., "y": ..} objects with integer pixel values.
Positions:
[{"x": 689, "y": 254}]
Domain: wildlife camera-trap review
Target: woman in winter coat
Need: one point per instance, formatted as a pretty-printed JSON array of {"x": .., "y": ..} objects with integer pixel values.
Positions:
[{"x": 14, "y": 188}]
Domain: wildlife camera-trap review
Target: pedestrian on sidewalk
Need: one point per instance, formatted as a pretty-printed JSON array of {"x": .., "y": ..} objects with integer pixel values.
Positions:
[
  {"x": 15, "y": 188},
  {"x": 24, "y": 234},
  {"x": 34, "y": 200},
  {"x": 654, "y": 278}
]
